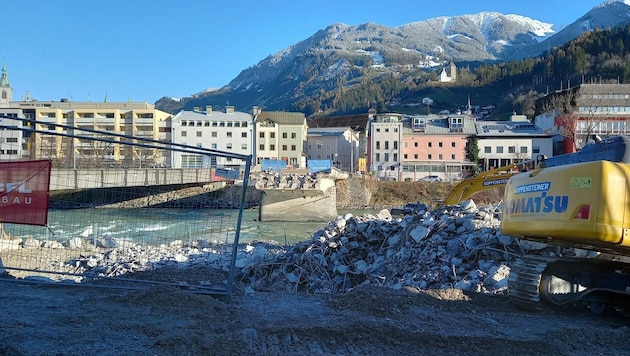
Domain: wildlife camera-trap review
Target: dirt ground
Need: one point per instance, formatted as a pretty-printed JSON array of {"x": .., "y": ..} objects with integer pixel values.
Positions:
[{"x": 44, "y": 319}]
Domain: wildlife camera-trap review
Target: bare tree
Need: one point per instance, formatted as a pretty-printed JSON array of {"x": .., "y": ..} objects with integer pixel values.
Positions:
[{"x": 576, "y": 118}]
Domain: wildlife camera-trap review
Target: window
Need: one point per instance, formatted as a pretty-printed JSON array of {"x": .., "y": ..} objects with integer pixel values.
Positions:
[
  {"x": 415, "y": 156},
  {"x": 293, "y": 135},
  {"x": 319, "y": 146},
  {"x": 387, "y": 145},
  {"x": 272, "y": 135},
  {"x": 430, "y": 144},
  {"x": 487, "y": 149},
  {"x": 213, "y": 134},
  {"x": 261, "y": 135},
  {"x": 213, "y": 146},
  {"x": 415, "y": 144},
  {"x": 512, "y": 149},
  {"x": 284, "y": 147},
  {"x": 293, "y": 147},
  {"x": 228, "y": 146},
  {"x": 405, "y": 144},
  {"x": 453, "y": 156},
  {"x": 378, "y": 157},
  {"x": 378, "y": 145},
  {"x": 395, "y": 145},
  {"x": 453, "y": 144},
  {"x": 395, "y": 157},
  {"x": 499, "y": 149},
  {"x": 261, "y": 147},
  {"x": 12, "y": 139},
  {"x": 328, "y": 146},
  {"x": 429, "y": 156},
  {"x": 243, "y": 146},
  {"x": 405, "y": 156},
  {"x": 535, "y": 149},
  {"x": 386, "y": 156},
  {"x": 284, "y": 135},
  {"x": 228, "y": 134},
  {"x": 191, "y": 161},
  {"x": 272, "y": 147},
  {"x": 440, "y": 156},
  {"x": 523, "y": 149},
  {"x": 198, "y": 133},
  {"x": 309, "y": 146},
  {"x": 440, "y": 144},
  {"x": 184, "y": 134},
  {"x": 244, "y": 134}
]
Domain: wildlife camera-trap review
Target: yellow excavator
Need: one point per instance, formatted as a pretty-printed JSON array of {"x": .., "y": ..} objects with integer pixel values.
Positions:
[{"x": 579, "y": 200}]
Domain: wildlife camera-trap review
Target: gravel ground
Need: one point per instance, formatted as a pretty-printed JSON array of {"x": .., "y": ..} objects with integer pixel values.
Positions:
[{"x": 41, "y": 319}]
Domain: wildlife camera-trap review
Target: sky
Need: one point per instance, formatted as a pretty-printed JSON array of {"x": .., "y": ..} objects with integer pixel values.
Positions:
[{"x": 142, "y": 50}]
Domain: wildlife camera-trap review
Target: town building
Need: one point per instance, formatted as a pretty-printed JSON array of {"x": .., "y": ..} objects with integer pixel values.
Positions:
[
  {"x": 52, "y": 127},
  {"x": 384, "y": 146},
  {"x": 281, "y": 135},
  {"x": 229, "y": 131},
  {"x": 339, "y": 145},
  {"x": 11, "y": 141},
  {"x": 436, "y": 146},
  {"x": 359, "y": 123},
  {"x": 578, "y": 113},
  {"x": 502, "y": 143}
]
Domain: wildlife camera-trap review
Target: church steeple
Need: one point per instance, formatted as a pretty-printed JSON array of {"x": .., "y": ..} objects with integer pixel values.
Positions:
[
  {"x": 6, "y": 92},
  {"x": 4, "y": 80}
]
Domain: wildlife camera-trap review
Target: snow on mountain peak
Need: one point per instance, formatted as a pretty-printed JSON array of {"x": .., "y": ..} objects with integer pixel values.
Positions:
[{"x": 608, "y": 2}]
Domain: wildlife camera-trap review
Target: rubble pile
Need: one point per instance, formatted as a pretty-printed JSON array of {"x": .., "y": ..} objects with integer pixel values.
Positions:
[
  {"x": 451, "y": 247},
  {"x": 271, "y": 180}
]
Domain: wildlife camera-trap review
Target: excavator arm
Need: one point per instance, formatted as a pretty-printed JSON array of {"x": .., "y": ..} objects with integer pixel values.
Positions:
[{"x": 494, "y": 178}]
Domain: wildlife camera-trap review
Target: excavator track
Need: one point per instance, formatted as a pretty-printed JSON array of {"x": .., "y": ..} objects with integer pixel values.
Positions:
[{"x": 524, "y": 282}]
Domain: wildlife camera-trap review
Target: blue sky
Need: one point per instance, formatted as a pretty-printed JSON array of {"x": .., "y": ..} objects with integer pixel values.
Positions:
[{"x": 142, "y": 50}]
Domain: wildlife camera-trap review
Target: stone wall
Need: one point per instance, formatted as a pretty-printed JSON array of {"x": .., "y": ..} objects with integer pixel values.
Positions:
[{"x": 354, "y": 193}]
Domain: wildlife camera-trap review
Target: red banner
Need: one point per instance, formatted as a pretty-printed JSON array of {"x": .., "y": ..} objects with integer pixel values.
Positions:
[{"x": 24, "y": 188}]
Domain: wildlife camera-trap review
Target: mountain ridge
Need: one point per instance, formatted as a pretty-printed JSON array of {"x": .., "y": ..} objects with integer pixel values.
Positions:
[{"x": 341, "y": 56}]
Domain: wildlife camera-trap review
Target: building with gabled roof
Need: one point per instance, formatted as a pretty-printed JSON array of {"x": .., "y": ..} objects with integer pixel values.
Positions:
[
  {"x": 281, "y": 135},
  {"x": 337, "y": 144}
]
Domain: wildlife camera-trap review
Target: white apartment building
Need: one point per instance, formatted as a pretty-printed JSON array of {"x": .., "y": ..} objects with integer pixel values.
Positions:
[
  {"x": 502, "y": 143},
  {"x": 229, "y": 131},
  {"x": 384, "y": 148}
]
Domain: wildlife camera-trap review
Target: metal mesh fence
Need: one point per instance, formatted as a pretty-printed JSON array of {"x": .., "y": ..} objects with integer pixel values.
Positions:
[{"x": 116, "y": 206}]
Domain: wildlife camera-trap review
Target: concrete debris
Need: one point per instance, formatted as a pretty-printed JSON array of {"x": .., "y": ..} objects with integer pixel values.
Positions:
[
  {"x": 450, "y": 247},
  {"x": 272, "y": 180}
]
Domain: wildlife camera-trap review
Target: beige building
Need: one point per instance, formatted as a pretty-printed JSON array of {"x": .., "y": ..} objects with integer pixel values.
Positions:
[
  {"x": 281, "y": 135},
  {"x": 132, "y": 119}
]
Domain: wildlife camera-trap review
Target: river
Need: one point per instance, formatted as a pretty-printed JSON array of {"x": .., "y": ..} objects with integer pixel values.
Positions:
[{"x": 165, "y": 225}]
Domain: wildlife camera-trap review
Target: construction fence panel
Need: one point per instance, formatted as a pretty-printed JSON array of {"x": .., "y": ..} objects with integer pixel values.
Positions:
[{"x": 117, "y": 207}]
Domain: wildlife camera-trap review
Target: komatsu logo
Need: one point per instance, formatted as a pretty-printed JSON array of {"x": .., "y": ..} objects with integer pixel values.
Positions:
[{"x": 540, "y": 203}]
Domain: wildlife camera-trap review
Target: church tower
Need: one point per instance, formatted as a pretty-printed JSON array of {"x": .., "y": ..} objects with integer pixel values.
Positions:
[
  {"x": 6, "y": 92},
  {"x": 453, "y": 72}
]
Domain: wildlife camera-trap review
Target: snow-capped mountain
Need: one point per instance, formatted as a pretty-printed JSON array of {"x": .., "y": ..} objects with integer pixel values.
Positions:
[{"x": 339, "y": 54}]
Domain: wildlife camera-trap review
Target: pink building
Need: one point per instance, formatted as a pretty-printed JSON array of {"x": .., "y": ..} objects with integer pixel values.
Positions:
[{"x": 436, "y": 146}]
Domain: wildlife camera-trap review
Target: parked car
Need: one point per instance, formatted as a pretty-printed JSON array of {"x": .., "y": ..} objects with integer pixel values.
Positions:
[{"x": 431, "y": 179}]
